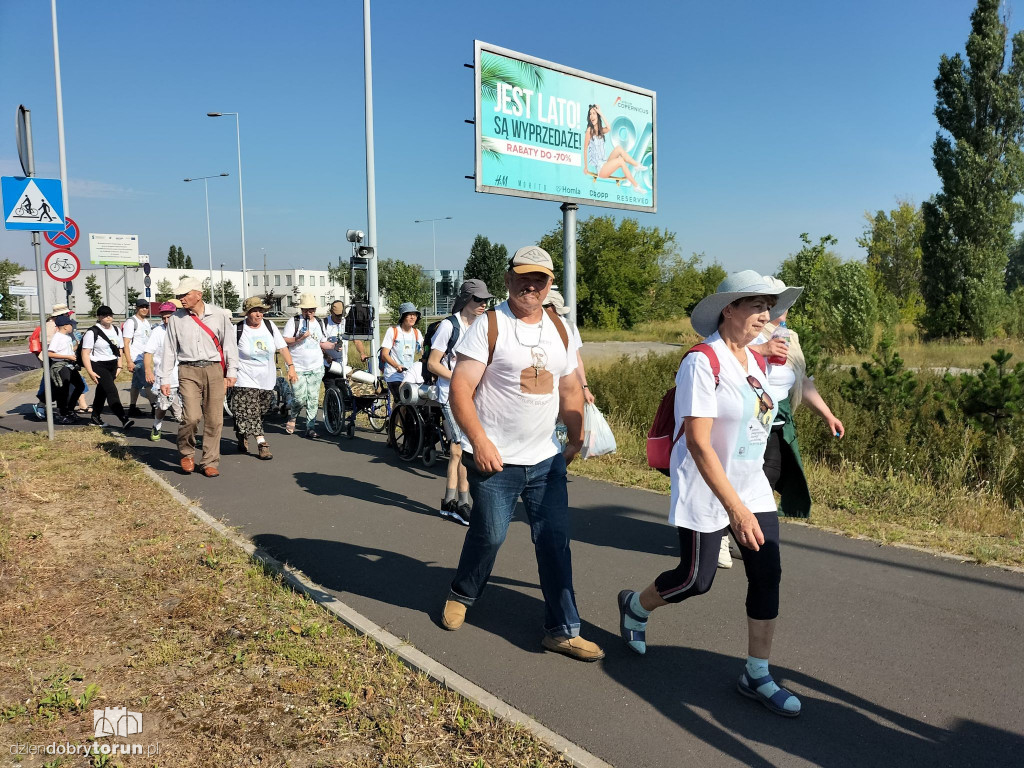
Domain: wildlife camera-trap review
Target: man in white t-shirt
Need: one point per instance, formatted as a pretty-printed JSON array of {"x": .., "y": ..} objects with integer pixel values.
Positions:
[
  {"x": 401, "y": 347},
  {"x": 152, "y": 361},
  {"x": 513, "y": 380},
  {"x": 470, "y": 304},
  {"x": 135, "y": 333},
  {"x": 304, "y": 335}
]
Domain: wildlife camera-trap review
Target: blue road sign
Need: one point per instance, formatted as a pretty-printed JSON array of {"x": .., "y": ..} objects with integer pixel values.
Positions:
[{"x": 35, "y": 205}]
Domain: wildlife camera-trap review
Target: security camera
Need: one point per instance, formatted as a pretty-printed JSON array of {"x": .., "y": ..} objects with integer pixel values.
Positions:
[{"x": 354, "y": 236}]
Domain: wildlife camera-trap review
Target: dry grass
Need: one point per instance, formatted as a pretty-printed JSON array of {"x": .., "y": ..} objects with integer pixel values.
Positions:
[
  {"x": 675, "y": 331},
  {"x": 972, "y": 523},
  {"x": 111, "y": 594}
]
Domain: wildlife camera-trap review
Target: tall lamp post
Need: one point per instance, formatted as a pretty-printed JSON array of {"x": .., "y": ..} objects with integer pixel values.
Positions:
[
  {"x": 241, "y": 205},
  {"x": 433, "y": 237},
  {"x": 209, "y": 242}
]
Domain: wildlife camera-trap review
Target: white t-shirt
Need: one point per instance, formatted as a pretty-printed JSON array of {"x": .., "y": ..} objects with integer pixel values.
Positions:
[
  {"x": 61, "y": 344},
  {"x": 99, "y": 349},
  {"x": 739, "y": 434},
  {"x": 155, "y": 347},
  {"x": 137, "y": 331},
  {"x": 442, "y": 335},
  {"x": 256, "y": 350},
  {"x": 781, "y": 378},
  {"x": 307, "y": 354},
  {"x": 517, "y": 403},
  {"x": 334, "y": 333},
  {"x": 405, "y": 346}
]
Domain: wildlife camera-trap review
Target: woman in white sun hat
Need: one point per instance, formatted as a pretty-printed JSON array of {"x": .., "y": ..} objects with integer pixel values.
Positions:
[{"x": 718, "y": 480}]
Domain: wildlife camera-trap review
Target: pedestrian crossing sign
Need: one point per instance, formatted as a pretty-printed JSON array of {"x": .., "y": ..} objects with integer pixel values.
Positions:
[{"x": 36, "y": 205}]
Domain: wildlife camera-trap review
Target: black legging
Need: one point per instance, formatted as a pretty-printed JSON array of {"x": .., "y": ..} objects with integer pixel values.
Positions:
[
  {"x": 106, "y": 389},
  {"x": 773, "y": 456}
]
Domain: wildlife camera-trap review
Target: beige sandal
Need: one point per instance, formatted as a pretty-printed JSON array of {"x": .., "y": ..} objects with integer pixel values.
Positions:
[{"x": 289, "y": 426}]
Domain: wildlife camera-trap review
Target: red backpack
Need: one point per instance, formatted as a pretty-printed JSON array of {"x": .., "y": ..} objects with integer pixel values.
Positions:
[
  {"x": 660, "y": 441},
  {"x": 35, "y": 343}
]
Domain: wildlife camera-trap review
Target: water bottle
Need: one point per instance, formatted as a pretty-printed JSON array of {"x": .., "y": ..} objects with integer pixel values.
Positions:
[{"x": 782, "y": 332}]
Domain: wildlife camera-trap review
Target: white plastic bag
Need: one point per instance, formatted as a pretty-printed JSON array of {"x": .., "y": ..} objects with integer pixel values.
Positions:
[{"x": 597, "y": 435}]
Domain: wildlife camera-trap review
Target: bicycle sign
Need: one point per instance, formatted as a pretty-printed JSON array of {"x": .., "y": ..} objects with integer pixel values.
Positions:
[
  {"x": 32, "y": 204},
  {"x": 62, "y": 265}
]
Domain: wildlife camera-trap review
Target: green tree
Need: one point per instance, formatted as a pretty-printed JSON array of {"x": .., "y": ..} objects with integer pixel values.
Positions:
[
  {"x": 231, "y": 300},
  {"x": 1015, "y": 266},
  {"x": 977, "y": 154},
  {"x": 400, "y": 282},
  {"x": 618, "y": 269},
  {"x": 172, "y": 257},
  {"x": 893, "y": 243},
  {"x": 488, "y": 262},
  {"x": 95, "y": 294},
  {"x": 133, "y": 296},
  {"x": 164, "y": 290},
  {"x": 838, "y": 306},
  {"x": 9, "y": 274},
  {"x": 186, "y": 262}
]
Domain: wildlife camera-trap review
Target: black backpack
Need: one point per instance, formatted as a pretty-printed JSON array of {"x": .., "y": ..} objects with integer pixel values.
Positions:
[
  {"x": 97, "y": 332},
  {"x": 241, "y": 326},
  {"x": 359, "y": 320},
  {"x": 429, "y": 377},
  {"x": 298, "y": 319}
]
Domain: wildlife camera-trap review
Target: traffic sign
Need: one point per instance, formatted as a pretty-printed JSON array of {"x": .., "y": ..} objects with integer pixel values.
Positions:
[
  {"x": 33, "y": 205},
  {"x": 67, "y": 238},
  {"x": 22, "y": 290},
  {"x": 147, "y": 281},
  {"x": 143, "y": 258},
  {"x": 62, "y": 265}
]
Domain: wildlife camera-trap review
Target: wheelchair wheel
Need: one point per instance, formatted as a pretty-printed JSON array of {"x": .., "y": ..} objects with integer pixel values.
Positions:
[
  {"x": 405, "y": 432},
  {"x": 429, "y": 457},
  {"x": 378, "y": 415},
  {"x": 334, "y": 412}
]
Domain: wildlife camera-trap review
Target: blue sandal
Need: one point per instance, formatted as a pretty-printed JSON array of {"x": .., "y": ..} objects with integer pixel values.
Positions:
[
  {"x": 775, "y": 703},
  {"x": 636, "y": 639}
]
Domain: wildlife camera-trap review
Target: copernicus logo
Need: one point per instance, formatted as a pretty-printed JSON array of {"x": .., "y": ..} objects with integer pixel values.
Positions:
[{"x": 629, "y": 106}]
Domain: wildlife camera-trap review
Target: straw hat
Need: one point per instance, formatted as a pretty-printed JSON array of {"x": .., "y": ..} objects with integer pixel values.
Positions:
[{"x": 307, "y": 301}]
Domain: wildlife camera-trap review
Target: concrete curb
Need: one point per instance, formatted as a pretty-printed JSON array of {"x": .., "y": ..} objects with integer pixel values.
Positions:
[{"x": 409, "y": 655}]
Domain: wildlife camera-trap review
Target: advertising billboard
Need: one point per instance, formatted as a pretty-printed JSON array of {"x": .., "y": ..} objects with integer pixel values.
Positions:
[{"x": 553, "y": 133}]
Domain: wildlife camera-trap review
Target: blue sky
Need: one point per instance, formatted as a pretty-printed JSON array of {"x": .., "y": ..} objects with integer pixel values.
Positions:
[{"x": 774, "y": 118}]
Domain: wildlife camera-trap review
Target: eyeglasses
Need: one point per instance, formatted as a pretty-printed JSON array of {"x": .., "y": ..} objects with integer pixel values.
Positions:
[
  {"x": 479, "y": 300},
  {"x": 766, "y": 406}
]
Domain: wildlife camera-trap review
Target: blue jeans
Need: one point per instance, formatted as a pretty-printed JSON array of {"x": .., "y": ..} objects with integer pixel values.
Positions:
[{"x": 543, "y": 491}]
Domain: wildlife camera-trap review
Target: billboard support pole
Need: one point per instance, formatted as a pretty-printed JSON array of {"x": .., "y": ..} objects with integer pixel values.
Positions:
[
  {"x": 40, "y": 287},
  {"x": 569, "y": 257},
  {"x": 371, "y": 188}
]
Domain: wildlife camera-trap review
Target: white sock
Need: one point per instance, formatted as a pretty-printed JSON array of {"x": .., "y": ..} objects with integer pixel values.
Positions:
[
  {"x": 260, "y": 439},
  {"x": 157, "y": 424}
]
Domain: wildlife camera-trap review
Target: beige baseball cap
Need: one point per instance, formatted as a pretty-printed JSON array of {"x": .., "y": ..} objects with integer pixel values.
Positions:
[{"x": 531, "y": 258}]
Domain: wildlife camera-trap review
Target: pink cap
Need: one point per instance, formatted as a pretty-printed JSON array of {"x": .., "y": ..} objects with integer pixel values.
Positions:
[{"x": 168, "y": 307}]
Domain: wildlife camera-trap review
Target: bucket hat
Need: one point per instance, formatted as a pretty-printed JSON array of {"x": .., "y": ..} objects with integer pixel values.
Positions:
[
  {"x": 254, "y": 302},
  {"x": 740, "y": 285},
  {"x": 406, "y": 308}
]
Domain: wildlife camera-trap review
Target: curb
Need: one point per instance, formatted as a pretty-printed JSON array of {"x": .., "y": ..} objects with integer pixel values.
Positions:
[{"x": 410, "y": 656}]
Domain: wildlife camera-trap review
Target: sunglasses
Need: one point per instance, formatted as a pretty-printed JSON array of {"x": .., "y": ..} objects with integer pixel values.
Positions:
[
  {"x": 766, "y": 405},
  {"x": 479, "y": 300}
]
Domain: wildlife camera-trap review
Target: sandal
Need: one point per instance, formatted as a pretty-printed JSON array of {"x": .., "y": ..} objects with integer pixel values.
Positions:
[
  {"x": 87, "y": 409},
  {"x": 636, "y": 639},
  {"x": 775, "y": 703},
  {"x": 289, "y": 426}
]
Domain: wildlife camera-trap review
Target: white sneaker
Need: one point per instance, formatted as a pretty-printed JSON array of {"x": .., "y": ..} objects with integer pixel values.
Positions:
[{"x": 724, "y": 556}]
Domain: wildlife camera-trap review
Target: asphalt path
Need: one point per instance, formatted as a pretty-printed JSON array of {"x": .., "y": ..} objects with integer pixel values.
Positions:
[
  {"x": 16, "y": 363},
  {"x": 899, "y": 657}
]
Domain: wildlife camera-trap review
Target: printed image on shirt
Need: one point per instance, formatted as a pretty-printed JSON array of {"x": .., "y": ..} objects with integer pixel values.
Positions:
[
  {"x": 753, "y": 435},
  {"x": 536, "y": 380},
  {"x": 257, "y": 348}
]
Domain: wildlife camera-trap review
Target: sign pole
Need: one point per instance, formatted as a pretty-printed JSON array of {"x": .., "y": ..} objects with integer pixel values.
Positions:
[
  {"x": 371, "y": 188},
  {"x": 569, "y": 258},
  {"x": 40, "y": 288}
]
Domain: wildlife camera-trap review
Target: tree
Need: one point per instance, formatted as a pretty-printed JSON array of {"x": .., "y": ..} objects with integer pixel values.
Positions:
[
  {"x": 400, "y": 282},
  {"x": 1015, "y": 266},
  {"x": 187, "y": 262},
  {"x": 164, "y": 290},
  {"x": 9, "y": 274},
  {"x": 133, "y": 296},
  {"x": 893, "y": 243},
  {"x": 977, "y": 154},
  {"x": 618, "y": 269},
  {"x": 176, "y": 258},
  {"x": 92, "y": 290},
  {"x": 172, "y": 257},
  {"x": 231, "y": 300},
  {"x": 488, "y": 262},
  {"x": 838, "y": 307}
]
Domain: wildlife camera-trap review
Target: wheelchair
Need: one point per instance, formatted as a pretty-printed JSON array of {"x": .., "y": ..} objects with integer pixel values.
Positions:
[
  {"x": 416, "y": 428},
  {"x": 342, "y": 404}
]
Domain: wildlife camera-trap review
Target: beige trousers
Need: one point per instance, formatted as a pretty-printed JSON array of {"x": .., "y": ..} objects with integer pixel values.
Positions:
[{"x": 202, "y": 396}]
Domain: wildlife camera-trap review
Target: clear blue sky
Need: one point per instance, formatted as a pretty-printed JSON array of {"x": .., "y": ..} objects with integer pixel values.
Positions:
[{"x": 774, "y": 118}]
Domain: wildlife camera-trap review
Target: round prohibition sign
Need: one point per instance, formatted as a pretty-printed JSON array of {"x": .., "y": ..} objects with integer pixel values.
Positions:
[
  {"x": 64, "y": 239},
  {"x": 62, "y": 265}
]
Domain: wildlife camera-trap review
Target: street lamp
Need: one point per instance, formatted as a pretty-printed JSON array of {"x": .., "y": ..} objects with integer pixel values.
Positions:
[
  {"x": 433, "y": 234},
  {"x": 241, "y": 206},
  {"x": 209, "y": 242}
]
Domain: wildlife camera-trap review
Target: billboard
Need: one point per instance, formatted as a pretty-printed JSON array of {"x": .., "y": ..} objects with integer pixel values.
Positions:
[
  {"x": 119, "y": 250},
  {"x": 553, "y": 133}
]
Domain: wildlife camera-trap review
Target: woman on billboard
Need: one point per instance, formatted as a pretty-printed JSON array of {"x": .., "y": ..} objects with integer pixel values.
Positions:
[{"x": 600, "y": 163}]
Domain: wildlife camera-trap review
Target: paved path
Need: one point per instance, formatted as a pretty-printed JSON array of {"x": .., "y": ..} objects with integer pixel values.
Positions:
[
  {"x": 900, "y": 658},
  {"x": 16, "y": 363}
]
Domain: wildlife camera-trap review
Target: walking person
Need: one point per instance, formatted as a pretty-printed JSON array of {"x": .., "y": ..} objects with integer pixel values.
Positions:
[
  {"x": 258, "y": 342},
  {"x": 200, "y": 342},
  {"x": 68, "y": 383},
  {"x": 304, "y": 334},
  {"x": 401, "y": 346},
  {"x": 101, "y": 358},
  {"x": 39, "y": 408},
  {"x": 152, "y": 364},
  {"x": 469, "y": 305},
  {"x": 513, "y": 378},
  {"x": 135, "y": 333},
  {"x": 724, "y": 414}
]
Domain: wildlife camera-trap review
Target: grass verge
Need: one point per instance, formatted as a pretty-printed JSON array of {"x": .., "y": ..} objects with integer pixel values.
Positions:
[
  {"x": 894, "y": 509},
  {"x": 113, "y": 595}
]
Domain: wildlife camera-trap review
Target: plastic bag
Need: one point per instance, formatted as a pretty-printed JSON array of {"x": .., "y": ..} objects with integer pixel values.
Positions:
[{"x": 598, "y": 438}]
